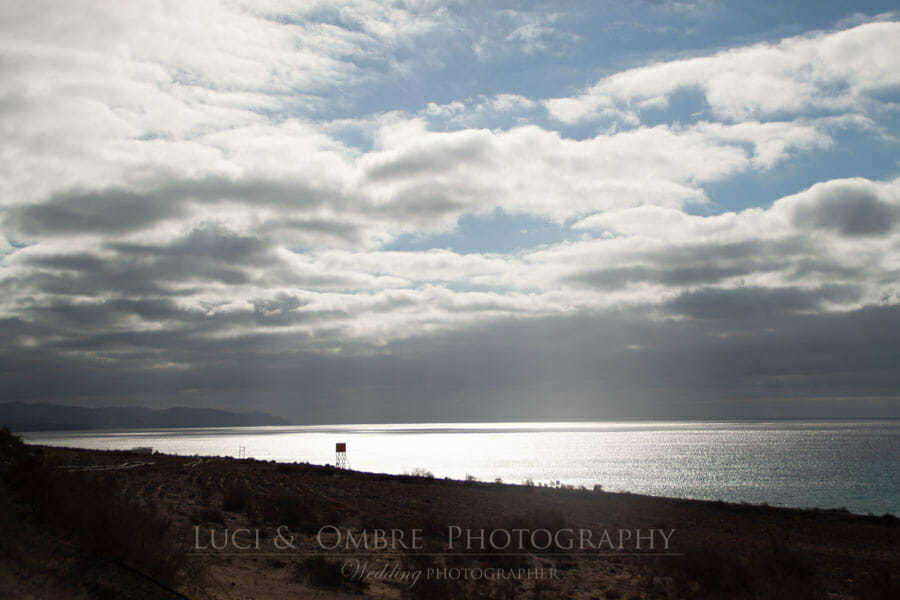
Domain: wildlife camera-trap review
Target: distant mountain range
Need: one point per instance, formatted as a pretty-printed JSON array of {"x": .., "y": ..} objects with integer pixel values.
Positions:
[{"x": 19, "y": 416}]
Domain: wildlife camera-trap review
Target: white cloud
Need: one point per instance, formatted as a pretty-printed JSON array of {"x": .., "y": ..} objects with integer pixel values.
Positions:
[
  {"x": 99, "y": 96},
  {"x": 772, "y": 141},
  {"x": 531, "y": 170},
  {"x": 167, "y": 175},
  {"x": 828, "y": 71},
  {"x": 508, "y": 102}
]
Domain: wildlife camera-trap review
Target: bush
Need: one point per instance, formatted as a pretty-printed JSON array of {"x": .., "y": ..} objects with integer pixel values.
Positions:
[
  {"x": 321, "y": 573},
  {"x": 207, "y": 515},
  {"x": 880, "y": 584},
  {"x": 546, "y": 518},
  {"x": 420, "y": 472},
  {"x": 296, "y": 512},
  {"x": 532, "y": 519},
  {"x": 236, "y": 497},
  {"x": 101, "y": 520},
  {"x": 11, "y": 447},
  {"x": 767, "y": 570}
]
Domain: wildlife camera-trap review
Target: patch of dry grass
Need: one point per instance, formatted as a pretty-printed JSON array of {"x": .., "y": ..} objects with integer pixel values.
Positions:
[{"x": 88, "y": 509}]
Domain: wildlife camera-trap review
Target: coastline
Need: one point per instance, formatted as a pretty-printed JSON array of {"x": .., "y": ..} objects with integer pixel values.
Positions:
[
  {"x": 824, "y": 464},
  {"x": 713, "y": 546}
]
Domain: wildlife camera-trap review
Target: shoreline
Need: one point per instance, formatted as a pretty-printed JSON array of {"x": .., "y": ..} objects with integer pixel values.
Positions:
[
  {"x": 564, "y": 487},
  {"x": 769, "y": 550},
  {"x": 621, "y": 456}
]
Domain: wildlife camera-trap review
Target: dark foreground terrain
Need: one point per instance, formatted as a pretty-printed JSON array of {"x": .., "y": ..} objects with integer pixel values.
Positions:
[{"x": 92, "y": 524}]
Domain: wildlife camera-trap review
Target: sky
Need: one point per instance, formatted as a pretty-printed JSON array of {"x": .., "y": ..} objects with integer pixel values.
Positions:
[{"x": 359, "y": 211}]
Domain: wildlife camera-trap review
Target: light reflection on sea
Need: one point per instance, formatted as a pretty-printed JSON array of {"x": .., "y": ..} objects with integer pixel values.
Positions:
[{"x": 826, "y": 464}]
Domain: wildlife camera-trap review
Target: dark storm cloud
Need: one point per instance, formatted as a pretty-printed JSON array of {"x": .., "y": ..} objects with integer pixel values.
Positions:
[
  {"x": 179, "y": 268},
  {"x": 114, "y": 210},
  {"x": 207, "y": 243},
  {"x": 279, "y": 305},
  {"x": 433, "y": 159},
  {"x": 620, "y": 364},
  {"x": 118, "y": 210},
  {"x": 619, "y": 277},
  {"x": 751, "y": 251},
  {"x": 273, "y": 192},
  {"x": 756, "y": 302},
  {"x": 347, "y": 232},
  {"x": 282, "y": 353},
  {"x": 66, "y": 262},
  {"x": 849, "y": 209},
  {"x": 113, "y": 330},
  {"x": 204, "y": 254},
  {"x": 696, "y": 263},
  {"x": 421, "y": 203},
  {"x": 820, "y": 266},
  {"x": 109, "y": 277},
  {"x": 605, "y": 365}
]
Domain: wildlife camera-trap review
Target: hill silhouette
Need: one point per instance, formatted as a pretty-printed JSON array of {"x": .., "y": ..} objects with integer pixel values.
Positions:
[{"x": 20, "y": 416}]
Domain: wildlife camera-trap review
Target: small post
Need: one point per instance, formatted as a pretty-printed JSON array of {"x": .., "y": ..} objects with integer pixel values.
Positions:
[{"x": 340, "y": 451}]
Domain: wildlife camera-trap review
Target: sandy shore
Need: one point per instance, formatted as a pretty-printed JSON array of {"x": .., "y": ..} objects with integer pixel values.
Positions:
[{"x": 89, "y": 524}]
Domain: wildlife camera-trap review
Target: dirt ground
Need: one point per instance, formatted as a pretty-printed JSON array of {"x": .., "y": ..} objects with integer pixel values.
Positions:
[{"x": 219, "y": 528}]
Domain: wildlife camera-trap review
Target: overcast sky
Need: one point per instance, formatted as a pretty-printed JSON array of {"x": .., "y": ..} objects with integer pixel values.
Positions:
[{"x": 359, "y": 211}]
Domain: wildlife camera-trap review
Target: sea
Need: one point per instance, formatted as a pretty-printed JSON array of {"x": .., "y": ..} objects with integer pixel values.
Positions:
[{"x": 822, "y": 464}]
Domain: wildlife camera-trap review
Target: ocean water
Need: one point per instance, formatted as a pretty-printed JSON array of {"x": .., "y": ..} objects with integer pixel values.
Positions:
[{"x": 824, "y": 464}]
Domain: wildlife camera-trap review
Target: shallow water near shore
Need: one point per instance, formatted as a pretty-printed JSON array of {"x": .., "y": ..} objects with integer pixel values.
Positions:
[{"x": 823, "y": 464}]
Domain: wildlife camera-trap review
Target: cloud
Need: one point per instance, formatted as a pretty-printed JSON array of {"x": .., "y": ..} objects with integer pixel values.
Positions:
[
  {"x": 536, "y": 33},
  {"x": 851, "y": 207},
  {"x": 535, "y": 171},
  {"x": 662, "y": 255},
  {"x": 755, "y": 303},
  {"x": 839, "y": 71},
  {"x": 669, "y": 369},
  {"x": 200, "y": 214},
  {"x": 115, "y": 210}
]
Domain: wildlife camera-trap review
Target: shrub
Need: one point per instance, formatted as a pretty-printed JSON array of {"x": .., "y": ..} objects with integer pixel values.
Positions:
[
  {"x": 546, "y": 518},
  {"x": 550, "y": 519},
  {"x": 321, "y": 573},
  {"x": 236, "y": 497},
  {"x": 207, "y": 515},
  {"x": 767, "y": 570},
  {"x": 420, "y": 472},
  {"x": 880, "y": 584},
  {"x": 102, "y": 520},
  {"x": 11, "y": 447},
  {"x": 296, "y": 512}
]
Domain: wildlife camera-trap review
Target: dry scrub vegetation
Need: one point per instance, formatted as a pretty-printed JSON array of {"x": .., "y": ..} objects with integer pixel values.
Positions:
[{"x": 88, "y": 524}]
